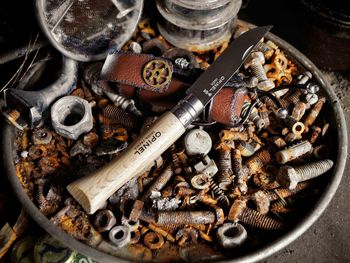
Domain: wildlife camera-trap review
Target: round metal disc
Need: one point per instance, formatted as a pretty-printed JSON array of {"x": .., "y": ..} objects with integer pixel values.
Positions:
[{"x": 86, "y": 30}]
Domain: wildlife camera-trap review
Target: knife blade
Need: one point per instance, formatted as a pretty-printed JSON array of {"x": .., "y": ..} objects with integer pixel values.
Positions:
[
  {"x": 92, "y": 191},
  {"x": 220, "y": 72}
]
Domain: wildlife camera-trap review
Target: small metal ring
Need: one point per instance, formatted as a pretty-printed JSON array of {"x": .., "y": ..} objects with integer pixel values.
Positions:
[
  {"x": 157, "y": 73},
  {"x": 120, "y": 235},
  {"x": 153, "y": 240}
]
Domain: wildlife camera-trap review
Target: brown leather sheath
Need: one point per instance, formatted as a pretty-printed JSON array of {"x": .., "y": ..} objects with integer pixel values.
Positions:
[
  {"x": 227, "y": 105},
  {"x": 128, "y": 71},
  {"x": 139, "y": 75}
]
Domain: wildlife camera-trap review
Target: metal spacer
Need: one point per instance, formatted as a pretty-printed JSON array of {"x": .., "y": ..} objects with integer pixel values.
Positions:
[{"x": 157, "y": 73}]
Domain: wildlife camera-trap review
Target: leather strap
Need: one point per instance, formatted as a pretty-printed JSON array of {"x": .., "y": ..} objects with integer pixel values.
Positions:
[{"x": 127, "y": 70}]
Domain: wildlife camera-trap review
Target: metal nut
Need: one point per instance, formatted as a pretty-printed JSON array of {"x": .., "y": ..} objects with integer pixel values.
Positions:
[
  {"x": 231, "y": 235},
  {"x": 120, "y": 235},
  {"x": 71, "y": 116}
]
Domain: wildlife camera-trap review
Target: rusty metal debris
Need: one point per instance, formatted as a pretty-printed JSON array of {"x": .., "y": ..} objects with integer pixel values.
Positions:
[{"x": 212, "y": 187}]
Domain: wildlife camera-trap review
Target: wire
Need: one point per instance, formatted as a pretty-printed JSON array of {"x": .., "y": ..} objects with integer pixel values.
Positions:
[
  {"x": 246, "y": 115},
  {"x": 288, "y": 86},
  {"x": 271, "y": 97}
]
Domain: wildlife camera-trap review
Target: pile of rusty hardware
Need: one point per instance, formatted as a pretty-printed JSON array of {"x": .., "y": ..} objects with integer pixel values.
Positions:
[{"x": 238, "y": 178}]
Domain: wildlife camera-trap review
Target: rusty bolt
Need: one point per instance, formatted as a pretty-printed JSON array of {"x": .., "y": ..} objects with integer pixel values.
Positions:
[
  {"x": 315, "y": 132},
  {"x": 283, "y": 192},
  {"x": 299, "y": 110},
  {"x": 314, "y": 112},
  {"x": 258, "y": 160},
  {"x": 224, "y": 178},
  {"x": 160, "y": 182},
  {"x": 231, "y": 235},
  {"x": 290, "y": 177},
  {"x": 240, "y": 212},
  {"x": 175, "y": 160},
  {"x": 136, "y": 210},
  {"x": 255, "y": 63},
  {"x": 293, "y": 152},
  {"x": 253, "y": 116},
  {"x": 262, "y": 202},
  {"x": 241, "y": 176},
  {"x": 280, "y": 207},
  {"x": 265, "y": 180},
  {"x": 185, "y": 217}
]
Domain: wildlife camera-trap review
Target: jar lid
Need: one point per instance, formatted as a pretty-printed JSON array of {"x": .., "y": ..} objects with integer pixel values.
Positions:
[
  {"x": 337, "y": 11},
  {"x": 86, "y": 30}
]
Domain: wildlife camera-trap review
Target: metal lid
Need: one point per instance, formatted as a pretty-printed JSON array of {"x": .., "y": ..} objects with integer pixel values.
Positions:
[
  {"x": 337, "y": 11},
  {"x": 86, "y": 30}
]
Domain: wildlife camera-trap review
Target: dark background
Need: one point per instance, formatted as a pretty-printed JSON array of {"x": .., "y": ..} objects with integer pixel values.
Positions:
[{"x": 321, "y": 31}]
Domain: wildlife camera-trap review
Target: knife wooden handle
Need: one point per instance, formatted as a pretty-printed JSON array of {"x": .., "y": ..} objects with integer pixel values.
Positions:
[{"x": 93, "y": 190}]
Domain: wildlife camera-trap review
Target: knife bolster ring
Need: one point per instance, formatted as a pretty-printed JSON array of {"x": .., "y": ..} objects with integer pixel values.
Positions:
[{"x": 188, "y": 109}]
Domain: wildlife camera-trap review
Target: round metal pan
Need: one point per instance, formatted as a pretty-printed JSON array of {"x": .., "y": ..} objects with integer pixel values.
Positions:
[{"x": 339, "y": 129}]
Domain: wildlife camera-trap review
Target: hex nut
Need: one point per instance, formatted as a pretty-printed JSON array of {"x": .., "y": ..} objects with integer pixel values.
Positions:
[
  {"x": 231, "y": 235},
  {"x": 120, "y": 235},
  {"x": 71, "y": 116}
]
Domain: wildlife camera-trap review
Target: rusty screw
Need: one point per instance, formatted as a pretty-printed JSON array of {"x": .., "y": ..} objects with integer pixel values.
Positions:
[
  {"x": 160, "y": 182},
  {"x": 256, "y": 65},
  {"x": 290, "y": 177},
  {"x": 258, "y": 160},
  {"x": 314, "y": 112},
  {"x": 241, "y": 176},
  {"x": 240, "y": 212},
  {"x": 176, "y": 161},
  {"x": 185, "y": 217},
  {"x": 224, "y": 178},
  {"x": 293, "y": 152}
]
